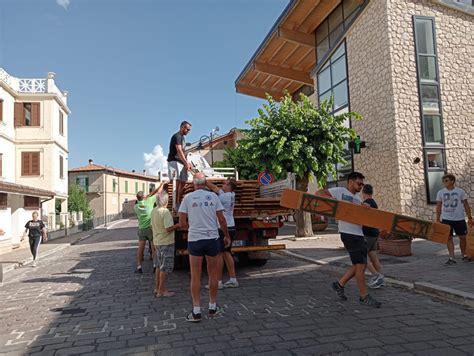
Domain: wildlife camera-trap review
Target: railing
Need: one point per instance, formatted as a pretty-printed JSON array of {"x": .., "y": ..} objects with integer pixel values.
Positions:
[
  {"x": 30, "y": 85},
  {"x": 227, "y": 172},
  {"x": 94, "y": 188}
]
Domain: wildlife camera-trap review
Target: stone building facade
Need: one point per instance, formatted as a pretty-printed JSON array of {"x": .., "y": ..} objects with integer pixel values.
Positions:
[{"x": 406, "y": 67}]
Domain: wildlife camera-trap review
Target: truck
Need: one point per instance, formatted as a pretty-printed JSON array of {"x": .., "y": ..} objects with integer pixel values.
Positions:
[{"x": 257, "y": 214}]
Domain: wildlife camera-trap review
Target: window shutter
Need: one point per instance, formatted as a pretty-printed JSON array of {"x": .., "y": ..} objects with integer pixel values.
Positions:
[
  {"x": 61, "y": 122},
  {"x": 19, "y": 113},
  {"x": 3, "y": 200},
  {"x": 87, "y": 184},
  {"x": 35, "y": 165},
  {"x": 61, "y": 175},
  {"x": 35, "y": 114},
  {"x": 1, "y": 110},
  {"x": 25, "y": 163},
  {"x": 31, "y": 202}
]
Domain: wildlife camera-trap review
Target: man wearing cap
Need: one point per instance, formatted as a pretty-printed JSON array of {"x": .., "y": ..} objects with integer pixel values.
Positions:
[
  {"x": 143, "y": 208},
  {"x": 201, "y": 212}
]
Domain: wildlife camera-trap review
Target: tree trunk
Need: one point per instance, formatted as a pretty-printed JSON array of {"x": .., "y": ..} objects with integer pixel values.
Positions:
[{"x": 304, "y": 227}]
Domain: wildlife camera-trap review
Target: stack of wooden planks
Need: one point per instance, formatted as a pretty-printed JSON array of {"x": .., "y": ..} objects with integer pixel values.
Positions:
[{"x": 248, "y": 202}]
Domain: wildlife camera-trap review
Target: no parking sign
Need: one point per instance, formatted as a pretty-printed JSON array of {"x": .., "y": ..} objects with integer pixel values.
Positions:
[{"x": 265, "y": 178}]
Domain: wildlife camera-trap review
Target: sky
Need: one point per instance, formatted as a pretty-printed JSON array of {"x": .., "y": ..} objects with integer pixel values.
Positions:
[{"x": 135, "y": 69}]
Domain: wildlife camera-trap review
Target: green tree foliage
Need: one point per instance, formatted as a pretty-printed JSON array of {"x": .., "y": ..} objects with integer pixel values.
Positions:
[
  {"x": 295, "y": 137},
  {"x": 78, "y": 201}
]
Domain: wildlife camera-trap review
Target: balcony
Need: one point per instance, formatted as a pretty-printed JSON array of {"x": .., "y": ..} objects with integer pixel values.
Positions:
[{"x": 93, "y": 189}]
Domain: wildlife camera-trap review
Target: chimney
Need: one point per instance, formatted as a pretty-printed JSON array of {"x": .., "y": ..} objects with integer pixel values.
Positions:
[
  {"x": 91, "y": 161},
  {"x": 133, "y": 171},
  {"x": 144, "y": 172}
]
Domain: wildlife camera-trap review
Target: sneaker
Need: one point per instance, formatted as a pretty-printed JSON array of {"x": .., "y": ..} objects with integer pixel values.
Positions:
[
  {"x": 467, "y": 259},
  {"x": 450, "y": 262},
  {"x": 193, "y": 318},
  {"x": 33, "y": 264},
  {"x": 372, "y": 279},
  {"x": 214, "y": 312},
  {"x": 377, "y": 284},
  {"x": 340, "y": 290},
  {"x": 139, "y": 271},
  {"x": 219, "y": 285},
  {"x": 370, "y": 302},
  {"x": 231, "y": 284}
]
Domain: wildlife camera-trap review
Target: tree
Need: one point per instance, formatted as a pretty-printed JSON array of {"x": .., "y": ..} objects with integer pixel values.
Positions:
[
  {"x": 78, "y": 201},
  {"x": 295, "y": 137}
]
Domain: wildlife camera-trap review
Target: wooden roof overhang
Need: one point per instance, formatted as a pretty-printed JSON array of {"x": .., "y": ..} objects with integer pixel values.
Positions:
[{"x": 284, "y": 60}]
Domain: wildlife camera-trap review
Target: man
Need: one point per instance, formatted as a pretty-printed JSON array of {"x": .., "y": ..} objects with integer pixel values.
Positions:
[
  {"x": 143, "y": 208},
  {"x": 227, "y": 198},
  {"x": 163, "y": 238},
  {"x": 36, "y": 234},
  {"x": 352, "y": 237},
  {"x": 200, "y": 213},
  {"x": 451, "y": 209},
  {"x": 371, "y": 236},
  {"x": 178, "y": 165}
]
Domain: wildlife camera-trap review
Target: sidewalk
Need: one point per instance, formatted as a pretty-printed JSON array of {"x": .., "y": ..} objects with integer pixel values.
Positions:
[{"x": 423, "y": 272}]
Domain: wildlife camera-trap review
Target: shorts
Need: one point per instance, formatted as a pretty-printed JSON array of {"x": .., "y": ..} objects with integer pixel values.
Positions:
[
  {"x": 145, "y": 234},
  {"x": 177, "y": 169},
  {"x": 207, "y": 247},
  {"x": 371, "y": 242},
  {"x": 164, "y": 258},
  {"x": 356, "y": 247},
  {"x": 459, "y": 227},
  {"x": 221, "y": 239}
]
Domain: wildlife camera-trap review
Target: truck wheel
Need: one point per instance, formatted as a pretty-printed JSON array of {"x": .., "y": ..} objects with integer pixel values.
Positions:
[
  {"x": 181, "y": 262},
  {"x": 258, "y": 263}
]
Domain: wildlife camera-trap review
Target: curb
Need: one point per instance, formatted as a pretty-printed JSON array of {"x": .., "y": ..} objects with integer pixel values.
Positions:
[{"x": 432, "y": 290}]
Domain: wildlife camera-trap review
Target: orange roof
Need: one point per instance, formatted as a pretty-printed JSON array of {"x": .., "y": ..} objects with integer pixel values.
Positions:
[
  {"x": 6, "y": 187},
  {"x": 97, "y": 168}
]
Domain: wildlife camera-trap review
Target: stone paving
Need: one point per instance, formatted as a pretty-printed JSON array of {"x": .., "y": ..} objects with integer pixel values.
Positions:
[{"x": 87, "y": 300}]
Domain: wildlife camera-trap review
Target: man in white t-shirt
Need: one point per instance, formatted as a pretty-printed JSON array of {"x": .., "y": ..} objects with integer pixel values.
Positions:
[
  {"x": 201, "y": 212},
  {"x": 451, "y": 209},
  {"x": 227, "y": 198},
  {"x": 352, "y": 237}
]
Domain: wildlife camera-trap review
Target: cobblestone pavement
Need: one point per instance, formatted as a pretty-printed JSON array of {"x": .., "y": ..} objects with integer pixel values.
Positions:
[{"x": 87, "y": 300}]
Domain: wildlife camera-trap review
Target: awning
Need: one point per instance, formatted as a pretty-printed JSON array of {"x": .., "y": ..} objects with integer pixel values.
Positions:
[
  {"x": 12, "y": 188},
  {"x": 287, "y": 55}
]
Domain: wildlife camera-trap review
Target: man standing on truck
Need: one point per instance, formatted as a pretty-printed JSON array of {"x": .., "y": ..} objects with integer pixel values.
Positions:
[
  {"x": 178, "y": 165},
  {"x": 143, "y": 209},
  {"x": 227, "y": 198},
  {"x": 201, "y": 212}
]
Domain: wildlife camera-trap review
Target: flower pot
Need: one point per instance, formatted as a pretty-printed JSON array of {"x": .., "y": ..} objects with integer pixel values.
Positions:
[
  {"x": 320, "y": 227},
  {"x": 395, "y": 247}
]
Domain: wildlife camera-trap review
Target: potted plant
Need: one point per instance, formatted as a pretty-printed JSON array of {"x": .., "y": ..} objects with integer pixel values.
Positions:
[
  {"x": 318, "y": 222},
  {"x": 395, "y": 244}
]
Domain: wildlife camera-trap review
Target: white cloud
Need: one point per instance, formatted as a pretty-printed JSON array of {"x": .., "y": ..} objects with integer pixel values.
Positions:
[
  {"x": 63, "y": 3},
  {"x": 155, "y": 161}
]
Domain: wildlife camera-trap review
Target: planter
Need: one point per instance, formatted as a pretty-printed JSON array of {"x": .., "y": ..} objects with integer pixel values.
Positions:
[
  {"x": 395, "y": 247},
  {"x": 320, "y": 227}
]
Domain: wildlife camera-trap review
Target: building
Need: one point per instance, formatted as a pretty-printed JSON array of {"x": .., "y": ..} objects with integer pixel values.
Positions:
[
  {"x": 33, "y": 152},
  {"x": 405, "y": 65},
  {"x": 213, "y": 151},
  {"x": 110, "y": 189}
]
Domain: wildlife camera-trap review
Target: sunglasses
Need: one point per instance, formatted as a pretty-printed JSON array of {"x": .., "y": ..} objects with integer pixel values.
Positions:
[{"x": 360, "y": 184}]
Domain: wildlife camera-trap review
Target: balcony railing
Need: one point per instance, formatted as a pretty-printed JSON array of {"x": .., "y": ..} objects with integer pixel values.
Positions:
[{"x": 30, "y": 85}]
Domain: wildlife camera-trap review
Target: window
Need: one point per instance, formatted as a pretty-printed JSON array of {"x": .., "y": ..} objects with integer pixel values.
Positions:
[
  {"x": 30, "y": 163},
  {"x": 27, "y": 114},
  {"x": 151, "y": 187},
  {"x": 61, "y": 167},
  {"x": 136, "y": 187},
  {"x": 83, "y": 182},
  {"x": 430, "y": 105},
  {"x": 3, "y": 201},
  {"x": 31, "y": 203},
  {"x": 332, "y": 29},
  {"x": 143, "y": 187},
  {"x": 61, "y": 123},
  {"x": 332, "y": 80},
  {"x": 114, "y": 185},
  {"x": 1, "y": 109},
  {"x": 126, "y": 186}
]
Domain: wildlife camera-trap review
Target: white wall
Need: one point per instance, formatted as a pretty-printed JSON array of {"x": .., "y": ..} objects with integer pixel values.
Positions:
[{"x": 7, "y": 149}]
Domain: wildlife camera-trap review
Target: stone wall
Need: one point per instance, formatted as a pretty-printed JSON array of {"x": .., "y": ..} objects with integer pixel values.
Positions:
[
  {"x": 371, "y": 94},
  {"x": 454, "y": 37}
]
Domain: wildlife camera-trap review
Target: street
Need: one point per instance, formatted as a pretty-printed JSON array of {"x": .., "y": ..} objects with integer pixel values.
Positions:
[{"x": 87, "y": 300}]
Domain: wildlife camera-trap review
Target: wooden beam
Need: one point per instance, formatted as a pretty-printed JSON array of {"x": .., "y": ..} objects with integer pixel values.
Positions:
[
  {"x": 296, "y": 37},
  {"x": 295, "y": 75},
  {"x": 257, "y": 92}
]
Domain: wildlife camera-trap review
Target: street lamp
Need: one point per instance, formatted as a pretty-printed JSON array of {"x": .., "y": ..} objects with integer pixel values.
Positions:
[{"x": 203, "y": 138}]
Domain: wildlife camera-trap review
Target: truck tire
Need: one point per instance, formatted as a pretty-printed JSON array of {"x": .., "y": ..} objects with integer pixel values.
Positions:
[
  {"x": 181, "y": 262},
  {"x": 258, "y": 263}
]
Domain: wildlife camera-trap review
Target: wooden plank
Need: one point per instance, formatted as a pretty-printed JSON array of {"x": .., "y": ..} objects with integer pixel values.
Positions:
[
  {"x": 257, "y": 92},
  {"x": 184, "y": 252},
  {"x": 362, "y": 215},
  {"x": 295, "y": 75},
  {"x": 296, "y": 37}
]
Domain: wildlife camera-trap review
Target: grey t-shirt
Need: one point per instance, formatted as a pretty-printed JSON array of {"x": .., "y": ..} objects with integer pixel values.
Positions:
[
  {"x": 201, "y": 207},
  {"x": 228, "y": 202},
  {"x": 452, "y": 203},
  {"x": 341, "y": 193}
]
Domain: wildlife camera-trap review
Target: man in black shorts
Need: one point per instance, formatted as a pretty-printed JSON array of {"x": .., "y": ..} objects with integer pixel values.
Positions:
[
  {"x": 199, "y": 213},
  {"x": 352, "y": 237}
]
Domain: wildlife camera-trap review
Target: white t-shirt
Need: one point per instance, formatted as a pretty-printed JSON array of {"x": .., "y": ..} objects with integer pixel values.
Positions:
[
  {"x": 452, "y": 203},
  {"x": 228, "y": 202},
  {"x": 341, "y": 193},
  {"x": 201, "y": 207}
]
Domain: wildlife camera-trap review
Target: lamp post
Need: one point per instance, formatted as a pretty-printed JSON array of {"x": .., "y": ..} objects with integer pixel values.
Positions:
[{"x": 214, "y": 130}]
